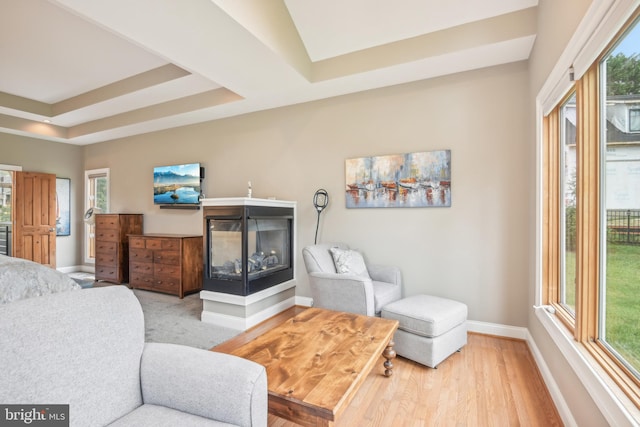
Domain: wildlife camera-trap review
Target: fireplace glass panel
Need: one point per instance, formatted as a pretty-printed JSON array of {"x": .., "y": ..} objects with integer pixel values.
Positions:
[
  {"x": 225, "y": 238},
  {"x": 248, "y": 249},
  {"x": 267, "y": 248}
]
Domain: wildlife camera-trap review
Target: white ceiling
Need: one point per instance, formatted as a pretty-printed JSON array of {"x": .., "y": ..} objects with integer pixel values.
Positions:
[{"x": 99, "y": 70}]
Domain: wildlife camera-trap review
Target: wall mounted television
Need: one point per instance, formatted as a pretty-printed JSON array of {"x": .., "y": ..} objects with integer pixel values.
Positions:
[{"x": 177, "y": 185}]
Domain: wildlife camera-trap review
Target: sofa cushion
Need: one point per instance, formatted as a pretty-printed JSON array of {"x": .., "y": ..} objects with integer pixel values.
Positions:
[
  {"x": 426, "y": 315},
  {"x": 385, "y": 293}
]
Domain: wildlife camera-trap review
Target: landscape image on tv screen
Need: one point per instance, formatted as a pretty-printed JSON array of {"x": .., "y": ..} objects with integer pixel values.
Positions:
[{"x": 178, "y": 184}]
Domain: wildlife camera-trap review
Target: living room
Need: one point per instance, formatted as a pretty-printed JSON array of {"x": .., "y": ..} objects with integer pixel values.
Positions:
[{"x": 482, "y": 251}]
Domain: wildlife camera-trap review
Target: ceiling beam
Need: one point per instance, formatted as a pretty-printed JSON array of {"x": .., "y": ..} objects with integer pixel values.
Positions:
[{"x": 131, "y": 84}]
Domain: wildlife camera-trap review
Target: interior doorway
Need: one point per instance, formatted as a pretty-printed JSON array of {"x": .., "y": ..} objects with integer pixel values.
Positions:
[{"x": 28, "y": 215}]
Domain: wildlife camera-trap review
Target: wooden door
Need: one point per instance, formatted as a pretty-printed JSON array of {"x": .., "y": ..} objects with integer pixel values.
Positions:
[{"x": 34, "y": 217}]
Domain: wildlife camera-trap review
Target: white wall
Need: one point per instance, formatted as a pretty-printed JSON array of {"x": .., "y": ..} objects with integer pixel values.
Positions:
[{"x": 476, "y": 251}]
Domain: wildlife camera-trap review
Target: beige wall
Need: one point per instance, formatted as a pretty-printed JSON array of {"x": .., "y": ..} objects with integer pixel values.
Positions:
[
  {"x": 476, "y": 251},
  {"x": 63, "y": 160}
]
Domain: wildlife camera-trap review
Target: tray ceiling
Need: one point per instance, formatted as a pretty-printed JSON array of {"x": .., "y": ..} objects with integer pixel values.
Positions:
[{"x": 86, "y": 71}]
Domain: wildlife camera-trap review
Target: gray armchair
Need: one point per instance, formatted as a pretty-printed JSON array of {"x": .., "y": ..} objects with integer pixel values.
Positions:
[
  {"x": 86, "y": 348},
  {"x": 349, "y": 292}
]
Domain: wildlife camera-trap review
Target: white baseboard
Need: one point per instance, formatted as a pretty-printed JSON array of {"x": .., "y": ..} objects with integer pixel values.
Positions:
[
  {"x": 497, "y": 329},
  {"x": 304, "y": 301},
  {"x": 552, "y": 386},
  {"x": 76, "y": 268}
]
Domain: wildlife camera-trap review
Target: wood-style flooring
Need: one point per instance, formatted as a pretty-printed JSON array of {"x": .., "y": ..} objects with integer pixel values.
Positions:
[{"x": 493, "y": 381}]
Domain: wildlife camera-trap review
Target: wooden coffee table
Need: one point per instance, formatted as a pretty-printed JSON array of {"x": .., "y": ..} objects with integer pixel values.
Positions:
[{"x": 317, "y": 361}]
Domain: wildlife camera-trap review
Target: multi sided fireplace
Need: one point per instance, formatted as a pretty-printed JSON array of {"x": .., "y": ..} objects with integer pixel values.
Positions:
[{"x": 248, "y": 245}]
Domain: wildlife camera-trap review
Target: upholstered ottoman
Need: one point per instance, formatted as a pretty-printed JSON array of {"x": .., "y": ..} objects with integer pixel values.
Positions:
[{"x": 431, "y": 328}]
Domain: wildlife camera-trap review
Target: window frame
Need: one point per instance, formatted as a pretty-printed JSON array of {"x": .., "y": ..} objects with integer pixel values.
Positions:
[
  {"x": 552, "y": 182},
  {"x": 591, "y": 231},
  {"x": 569, "y": 315},
  {"x": 637, "y": 111}
]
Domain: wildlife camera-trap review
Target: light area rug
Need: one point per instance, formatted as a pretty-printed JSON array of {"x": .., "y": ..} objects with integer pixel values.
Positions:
[{"x": 170, "y": 319}]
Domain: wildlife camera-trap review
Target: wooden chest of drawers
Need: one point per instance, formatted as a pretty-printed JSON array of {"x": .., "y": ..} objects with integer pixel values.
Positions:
[
  {"x": 112, "y": 245},
  {"x": 170, "y": 263}
]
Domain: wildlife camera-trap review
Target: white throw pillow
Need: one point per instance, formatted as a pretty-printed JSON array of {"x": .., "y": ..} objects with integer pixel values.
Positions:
[{"x": 348, "y": 261}]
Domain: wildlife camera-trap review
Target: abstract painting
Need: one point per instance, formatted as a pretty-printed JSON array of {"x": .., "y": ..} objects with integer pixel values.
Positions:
[{"x": 411, "y": 180}]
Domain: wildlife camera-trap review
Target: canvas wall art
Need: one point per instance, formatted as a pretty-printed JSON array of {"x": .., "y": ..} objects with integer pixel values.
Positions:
[{"x": 411, "y": 180}]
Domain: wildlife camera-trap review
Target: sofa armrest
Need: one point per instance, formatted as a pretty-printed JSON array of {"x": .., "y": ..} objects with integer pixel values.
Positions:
[
  {"x": 385, "y": 273},
  {"x": 342, "y": 292},
  {"x": 212, "y": 385}
]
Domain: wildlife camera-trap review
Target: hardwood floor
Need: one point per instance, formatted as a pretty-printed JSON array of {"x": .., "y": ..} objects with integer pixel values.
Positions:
[{"x": 493, "y": 381}]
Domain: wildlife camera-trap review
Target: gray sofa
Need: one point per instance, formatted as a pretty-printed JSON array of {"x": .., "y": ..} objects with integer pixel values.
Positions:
[{"x": 86, "y": 348}]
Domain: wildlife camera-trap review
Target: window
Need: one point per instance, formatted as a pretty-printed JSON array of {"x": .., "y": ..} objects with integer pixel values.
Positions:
[
  {"x": 96, "y": 196},
  {"x": 591, "y": 209},
  {"x": 634, "y": 119},
  {"x": 6, "y": 216},
  {"x": 619, "y": 290},
  {"x": 5, "y": 212},
  {"x": 567, "y": 289}
]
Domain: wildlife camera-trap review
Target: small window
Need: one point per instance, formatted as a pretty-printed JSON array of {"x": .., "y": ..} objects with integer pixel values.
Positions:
[
  {"x": 634, "y": 120},
  {"x": 5, "y": 212},
  {"x": 6, "y": 201},
  {"x": 568, "y": 235},
  {"x": 96, "y": 196}
]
